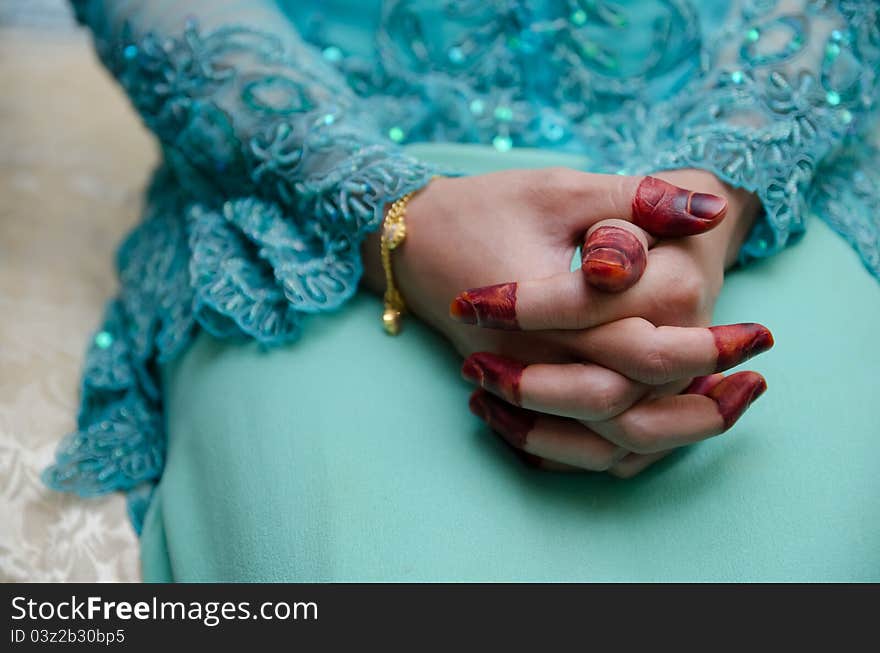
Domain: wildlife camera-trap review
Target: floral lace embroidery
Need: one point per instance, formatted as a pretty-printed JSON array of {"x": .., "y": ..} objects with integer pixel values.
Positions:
[
  {"x": 280, "y": 152},
  {"x": 769, "y": 98}
]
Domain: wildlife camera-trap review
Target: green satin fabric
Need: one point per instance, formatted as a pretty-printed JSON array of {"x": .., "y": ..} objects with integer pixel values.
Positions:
[{"x": 352, "y": 456}]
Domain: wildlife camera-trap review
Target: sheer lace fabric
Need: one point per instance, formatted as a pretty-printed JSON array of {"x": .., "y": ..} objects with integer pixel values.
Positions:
[{"x": 281, "y": 123}]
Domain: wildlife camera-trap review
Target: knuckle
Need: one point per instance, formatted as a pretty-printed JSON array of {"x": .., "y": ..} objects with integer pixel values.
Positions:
[
  {"x": 553, "y": 189},
  {"x": 636, "y": 435},
  {"x": 562, "y": 179},
  {"x": 542, "y": 188},
  {"x": 623, "y": 188},
  {"x": 655, "y": 366},
  {"x": 563, "y": 316},
  {"x": 687, "y": 294},
  {"x": 606, "y": 460},
  {"x": 583, "y": 312},
  {"x": 607, "y": 399}
]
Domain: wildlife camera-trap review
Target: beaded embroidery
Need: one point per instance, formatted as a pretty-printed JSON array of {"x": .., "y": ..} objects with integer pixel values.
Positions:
[{"x": 281, "y": 150}]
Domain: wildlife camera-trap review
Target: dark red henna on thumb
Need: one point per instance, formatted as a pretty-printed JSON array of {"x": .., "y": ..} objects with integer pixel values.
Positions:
[
  {"x": 497, "y": 374},
  {"x": 668, "y": 211},
  {"x": 493, "y": 307},
  {"x": 612, "y": 259}
]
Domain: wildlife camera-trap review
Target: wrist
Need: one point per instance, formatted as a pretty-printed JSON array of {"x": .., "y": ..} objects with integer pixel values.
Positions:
[
  {"x": 402, "y": 260},
  {"x": 373, "y": 278},
  {"x": 374, "y": 274},
  {"x": 743, "y": 209}
]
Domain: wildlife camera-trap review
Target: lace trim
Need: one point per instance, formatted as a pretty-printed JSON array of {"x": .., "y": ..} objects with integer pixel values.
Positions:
[{"x": 283, "y": 151}]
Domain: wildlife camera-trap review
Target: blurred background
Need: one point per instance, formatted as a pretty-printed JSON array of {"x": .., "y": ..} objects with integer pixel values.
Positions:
[
  {"x": 73, "y": 162},
  {"x": 49, "y": 14}
]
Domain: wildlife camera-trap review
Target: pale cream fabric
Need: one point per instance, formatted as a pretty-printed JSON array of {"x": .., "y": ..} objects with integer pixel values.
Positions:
[{"x": 74, "y": 160}]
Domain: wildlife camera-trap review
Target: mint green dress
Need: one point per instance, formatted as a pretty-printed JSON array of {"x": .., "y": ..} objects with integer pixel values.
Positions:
[
  {"x": 296, "y": 465},
  {"x": 219, "y": 391}
]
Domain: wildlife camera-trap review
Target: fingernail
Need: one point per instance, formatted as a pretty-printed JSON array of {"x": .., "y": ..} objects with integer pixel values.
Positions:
[
  {"x": 739, "y": 342},
  {"x": 613, "y": 259},
  {"x": 511, "y": 423},
  {"x": 493, "y": 307},
  {"x": 607, "y": 256},
  {"x": 497, "y": 374},
  {"x": 666, "y": 210},
  {"x": 705, "y": 206},
  {"x": 463, "y": 311},
  {"x": 736, "y": 393}
]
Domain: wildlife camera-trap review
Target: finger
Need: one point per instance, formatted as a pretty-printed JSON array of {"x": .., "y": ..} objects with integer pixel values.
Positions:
[
  {"x": 552, "y": 438},
  {"x": 537, "y": 462},
  {"x": 636, "y": 463},
  {"x": 568, "y": 301},
  {"x": 697, "y": 386},
  {"x": 656, "y": 206},
  {"x": 669, "y": 211},
  {"x": 614, "y": 255},
  {"x": 660, "y": 208},
  {"x": 670, "y": 422},
  {"x": 627, "y": 359},
  {"x": 562, "y": 301},
  {"x": 702, "y": 385},
  {"x": 657, "y": 355},
  {"x": 579, "y": 390},
  {"x": 667, "y": 389}
]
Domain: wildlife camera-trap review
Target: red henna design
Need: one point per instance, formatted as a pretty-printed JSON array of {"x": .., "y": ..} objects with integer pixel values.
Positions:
[
  {"x": 463, "y": 311},
  {"x": 511, "y": 423},
  {"x": 497, "y": 374},
  {"x": 736, "y": 393},
  {"x": 739, "y": 342},
  {"x": 702, "y": 385},
  {"x": 668, "y": 211},
  {"x": 493, "y": 307},
  {"x": 612, "y": 259}
]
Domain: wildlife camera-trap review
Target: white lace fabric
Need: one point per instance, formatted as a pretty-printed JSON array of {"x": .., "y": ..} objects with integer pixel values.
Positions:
[{"x": 64, "y": 206}]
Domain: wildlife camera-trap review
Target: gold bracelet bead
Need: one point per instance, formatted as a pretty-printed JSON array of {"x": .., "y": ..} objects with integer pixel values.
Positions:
[
  {"x": 391, "y": 321},
  {"x": 394, "y": 232},
  {"x": 393, "y": 235}
]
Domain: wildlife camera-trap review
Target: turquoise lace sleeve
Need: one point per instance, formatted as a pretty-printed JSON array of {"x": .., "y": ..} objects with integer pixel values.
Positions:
[
  {"x": 786, "y": 108},
  {"x": 273, "y": 174},
  {"x": 280, "y": 120},
  {"x": 244, "y": 108}
]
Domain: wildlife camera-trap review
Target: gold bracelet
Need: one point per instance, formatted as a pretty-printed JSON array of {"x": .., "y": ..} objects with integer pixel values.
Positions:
[{"x": 393, "y": 235}]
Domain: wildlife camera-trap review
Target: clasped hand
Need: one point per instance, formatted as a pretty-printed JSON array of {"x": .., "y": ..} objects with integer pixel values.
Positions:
[{"x": 606, "y": 368}]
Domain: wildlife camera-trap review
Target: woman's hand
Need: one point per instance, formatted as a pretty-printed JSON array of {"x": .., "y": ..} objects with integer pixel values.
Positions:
[
  {"x": 645, "y": 418},
  {"x": 681, "y": 283},
  {"x": 522, "y": 224},
  {"x": 526, "y": 224}
]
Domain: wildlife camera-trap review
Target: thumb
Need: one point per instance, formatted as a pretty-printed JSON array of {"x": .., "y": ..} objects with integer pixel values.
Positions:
[
  {"x": 660, "y": 208},
  {"x": 614, "y": 255}
]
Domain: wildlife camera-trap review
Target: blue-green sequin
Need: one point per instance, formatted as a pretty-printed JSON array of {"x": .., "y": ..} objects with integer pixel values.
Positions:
[{"x": 280, "y": 126}]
